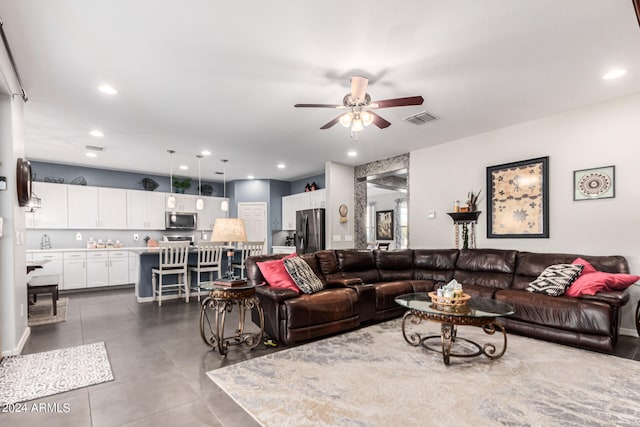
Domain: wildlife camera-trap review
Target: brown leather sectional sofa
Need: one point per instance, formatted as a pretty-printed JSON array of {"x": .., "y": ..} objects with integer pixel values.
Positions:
[{"x": 361, "y": 287}]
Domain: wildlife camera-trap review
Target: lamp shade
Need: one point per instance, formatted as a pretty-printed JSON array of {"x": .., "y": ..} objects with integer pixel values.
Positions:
[{"x": 228, "y": 230}]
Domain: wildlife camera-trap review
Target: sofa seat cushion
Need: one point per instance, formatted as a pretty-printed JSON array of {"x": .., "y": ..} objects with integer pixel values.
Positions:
[
  {"x": 571, "y": 314},
  {"x": 423, "y": 285},
  {"x": 478, "y": 291},
  {"x": 321, "y": 307},
  {"x": 386, "y": 292}
]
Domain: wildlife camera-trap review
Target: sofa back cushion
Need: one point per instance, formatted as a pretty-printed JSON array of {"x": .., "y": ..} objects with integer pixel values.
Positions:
[
  {"x": 394, "y": 265},
  {"x": 358, "y": 264},
  {"x": 434, "y": 264},
  {"x": 328, "y": 264},
  {"x": 492, "y": 268},
  {"x": 531, "y": 264}
]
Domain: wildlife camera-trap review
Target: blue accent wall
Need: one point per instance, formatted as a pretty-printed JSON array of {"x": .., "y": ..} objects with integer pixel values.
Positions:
[
  {"x": 298, "y": 186},
  {"x": 112, "y": 178}
]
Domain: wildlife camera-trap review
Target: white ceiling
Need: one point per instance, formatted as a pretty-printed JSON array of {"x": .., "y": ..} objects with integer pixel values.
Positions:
[{"x": 223, "y": 76}]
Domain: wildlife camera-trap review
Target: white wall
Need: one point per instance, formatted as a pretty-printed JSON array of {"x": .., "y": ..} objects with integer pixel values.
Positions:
[
  {"x": 599, "y": 135},
  {"x": 339, "y": 180}
]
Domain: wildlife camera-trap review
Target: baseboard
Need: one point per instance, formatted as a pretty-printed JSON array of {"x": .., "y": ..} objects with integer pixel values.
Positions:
[
  {"x": 23, "y": 341},
  {"x": 628, "y": 332}
]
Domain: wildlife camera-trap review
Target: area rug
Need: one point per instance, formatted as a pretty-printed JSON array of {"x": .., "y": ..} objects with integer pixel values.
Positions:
[
  {"x": 373, "y": 377},
  {"x": 37, "y": 375},
  {"x": 41, "y": 312}
]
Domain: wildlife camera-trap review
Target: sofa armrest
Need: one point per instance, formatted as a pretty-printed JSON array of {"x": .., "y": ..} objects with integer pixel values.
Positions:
[
  {"x": 344, "y": 282},
  {"x": 615, "y": 298},
  {"x": 276, "y": 294}
]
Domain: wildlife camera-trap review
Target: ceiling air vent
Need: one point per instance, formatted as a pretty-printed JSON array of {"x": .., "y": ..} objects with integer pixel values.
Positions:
[
  {"x": 94, "y": 148},
  {"x": 420, "y": 118}
]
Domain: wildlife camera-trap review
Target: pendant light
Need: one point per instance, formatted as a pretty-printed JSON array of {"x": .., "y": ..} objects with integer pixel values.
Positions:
[
  {"x": 199, "y": 201},
  {"x": 224, "y": 205},
  {"x": 171, "y": 200}
]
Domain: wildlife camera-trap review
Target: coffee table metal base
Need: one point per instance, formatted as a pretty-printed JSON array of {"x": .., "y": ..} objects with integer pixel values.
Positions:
[
  {"x": 448, "y": 334},
  {"x": 214, "y": 312}
]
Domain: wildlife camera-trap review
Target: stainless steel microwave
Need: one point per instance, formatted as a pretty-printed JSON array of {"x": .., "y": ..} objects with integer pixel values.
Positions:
[{"x": 180, "y": 221}]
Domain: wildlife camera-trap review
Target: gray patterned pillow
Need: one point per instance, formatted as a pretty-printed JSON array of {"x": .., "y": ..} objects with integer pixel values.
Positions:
[
  {"x": 555, "y": 279},
  {"x": 303, "y": 275}
]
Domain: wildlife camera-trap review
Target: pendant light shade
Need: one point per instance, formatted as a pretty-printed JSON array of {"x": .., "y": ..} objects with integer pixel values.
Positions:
[
  {"x": 199, "y": 201},
  {"x": 171, "y": 200},
  {"x": 224, "y": 205}
]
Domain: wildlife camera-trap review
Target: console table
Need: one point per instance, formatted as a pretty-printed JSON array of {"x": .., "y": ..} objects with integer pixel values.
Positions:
[{"x": 468, "y": 221}]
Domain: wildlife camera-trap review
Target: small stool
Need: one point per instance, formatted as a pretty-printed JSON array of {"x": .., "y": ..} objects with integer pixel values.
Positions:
[{"x": 44, "y": 285}]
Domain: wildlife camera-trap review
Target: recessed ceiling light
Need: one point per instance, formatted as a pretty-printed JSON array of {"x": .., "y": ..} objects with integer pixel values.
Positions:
[
  {"x": 90, "y": 154},
  {"x": 205, "y": 152},
  {"x": 109, "y": 90},
  {"x": 96, "y": 133},
  {"x": 614, "y": 74},
  {"x": 250, "y": 176},
  {"x": 352, "y": 153},
  {"x": 183, "y": 167},
  {"x": 281, "y": 166}
]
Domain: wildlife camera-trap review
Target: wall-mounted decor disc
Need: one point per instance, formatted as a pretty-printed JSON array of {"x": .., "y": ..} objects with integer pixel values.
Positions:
[{"x": 594, "y": 184}]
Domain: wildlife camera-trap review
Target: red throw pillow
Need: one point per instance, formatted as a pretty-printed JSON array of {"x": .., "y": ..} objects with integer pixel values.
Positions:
[
  {"x": 276, "y": 275},
  {"x": 592, "y": 281}
]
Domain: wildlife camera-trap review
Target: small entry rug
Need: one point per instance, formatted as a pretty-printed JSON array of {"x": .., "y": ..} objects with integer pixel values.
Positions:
[
  {"x": 41, "y": 312},
  {"x": 373, "y": 377},
  {"x": 37, "y": 375}
]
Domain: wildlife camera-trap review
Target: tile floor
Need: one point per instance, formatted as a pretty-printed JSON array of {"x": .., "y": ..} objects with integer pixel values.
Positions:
[{"x": 159, "y": 363}]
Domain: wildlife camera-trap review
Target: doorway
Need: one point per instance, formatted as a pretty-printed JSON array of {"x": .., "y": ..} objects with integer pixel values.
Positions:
[{"x": 254, "y": 216}]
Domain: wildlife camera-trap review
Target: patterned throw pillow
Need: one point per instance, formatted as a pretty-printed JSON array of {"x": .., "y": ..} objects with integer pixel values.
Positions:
[
  {"x": 303, "y": 275},
  {"x": 555, "y": 279}
]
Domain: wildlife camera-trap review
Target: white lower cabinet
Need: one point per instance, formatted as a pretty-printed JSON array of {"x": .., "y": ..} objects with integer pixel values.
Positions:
[
  {"x": 97, "y": 269},
  {"x": 75, "y": 270},
  {"x": 52, "y": 267},
  {"x": 118, "y": 268},
  {"x": 133, "y": 267}
]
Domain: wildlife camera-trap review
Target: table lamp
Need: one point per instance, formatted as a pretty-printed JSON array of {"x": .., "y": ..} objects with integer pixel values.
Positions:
[{"x": 229, "y": 230}]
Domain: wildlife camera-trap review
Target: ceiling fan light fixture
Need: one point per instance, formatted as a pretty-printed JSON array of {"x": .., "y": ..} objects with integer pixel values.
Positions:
[
  {"x": 345, "y": 119},
  {"x": 367, "y": 118},
  {"x": 356, "y": 126}
]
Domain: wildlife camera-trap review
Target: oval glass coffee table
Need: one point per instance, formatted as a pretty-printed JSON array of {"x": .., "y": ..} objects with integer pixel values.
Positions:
[
  {"x": 477, "y": 312},
  {"x": 215, "y": 307}
]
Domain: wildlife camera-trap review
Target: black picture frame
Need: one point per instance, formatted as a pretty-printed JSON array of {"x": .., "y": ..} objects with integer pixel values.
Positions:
[
  {"x": 594, "y": 183},
  {"x": 384, "y": 225},
  {"x": 518, "y": 199}
]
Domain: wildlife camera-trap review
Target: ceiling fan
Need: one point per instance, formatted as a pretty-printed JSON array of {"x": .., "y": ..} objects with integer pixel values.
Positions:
[{"x": 358, "y": 105}]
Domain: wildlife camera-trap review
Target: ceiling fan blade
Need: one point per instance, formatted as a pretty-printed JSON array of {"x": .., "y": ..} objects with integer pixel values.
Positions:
[
  {"x": 331, "y": 123},
  {"x": 317, "y": 106},
  {"x": 636, "y": 5},
  {"x": 399, "y": 102},
  {"x": 359, "y": 88},
  {"x": 379, "y": 121}
]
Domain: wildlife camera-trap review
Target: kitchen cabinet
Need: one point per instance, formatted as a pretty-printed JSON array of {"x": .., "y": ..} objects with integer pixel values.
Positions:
[
  {"x": 75, "y": 270},
  {"x": 118, "y": 268},
  {"x": 53, "y": 210},
  {"x": 133, "y": 267},
  {"x": 53, "y": 266},
  {"x": 299, "y": 202},
  {"x": 145, "y": 210},
  {"x": 207, "y": 216},
  {"x": 93, "y": 207},
  {"x": 97, "y": 269},
  {"x": 184, "y": 203}
]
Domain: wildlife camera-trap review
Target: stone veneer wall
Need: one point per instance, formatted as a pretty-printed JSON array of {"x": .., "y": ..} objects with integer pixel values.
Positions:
[{"x": 360, "y": 194}]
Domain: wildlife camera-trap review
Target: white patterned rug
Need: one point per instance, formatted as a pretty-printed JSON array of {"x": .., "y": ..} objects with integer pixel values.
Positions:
[
  {"x": 37, "y": 375},
  {"x": 373, "y": 377}
]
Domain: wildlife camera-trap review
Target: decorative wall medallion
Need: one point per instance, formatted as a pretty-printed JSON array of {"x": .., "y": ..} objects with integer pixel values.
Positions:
[
  {"x": 343, "y": 211},
  {"x": 596, "y": 183}
]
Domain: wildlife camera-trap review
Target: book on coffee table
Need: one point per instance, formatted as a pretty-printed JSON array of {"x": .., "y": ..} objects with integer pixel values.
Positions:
[{"x": 230, "y": 282}]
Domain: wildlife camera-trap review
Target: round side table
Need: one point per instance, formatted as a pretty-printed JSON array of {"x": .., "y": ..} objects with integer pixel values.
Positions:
[{"x": 215, "y": 307}]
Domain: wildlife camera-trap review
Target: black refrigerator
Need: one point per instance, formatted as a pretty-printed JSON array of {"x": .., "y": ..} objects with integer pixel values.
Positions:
[{"x": 309, "y": 231}]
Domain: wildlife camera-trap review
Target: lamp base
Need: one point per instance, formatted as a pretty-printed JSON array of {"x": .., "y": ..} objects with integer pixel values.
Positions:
[{"x": 229, "y": 273}]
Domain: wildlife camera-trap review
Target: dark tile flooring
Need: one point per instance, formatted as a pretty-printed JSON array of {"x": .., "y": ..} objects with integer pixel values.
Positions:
[{"x": 159, "y": 363}]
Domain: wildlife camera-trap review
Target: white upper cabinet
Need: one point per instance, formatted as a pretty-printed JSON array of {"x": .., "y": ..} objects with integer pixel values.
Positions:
[
  {"x": 53, "y": 211},
  {"x": 93, "y": 207},
  {"x": 145, "y": 210},
  {"x": 289, "y": 207},
  {"x": 184, "y": 203},
  {"x": 207, "y": 216},
  {"x": 300, "y": 202}
]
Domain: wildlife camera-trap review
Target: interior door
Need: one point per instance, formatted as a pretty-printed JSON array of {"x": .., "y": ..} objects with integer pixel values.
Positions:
[{"x": 255, "y": 221}]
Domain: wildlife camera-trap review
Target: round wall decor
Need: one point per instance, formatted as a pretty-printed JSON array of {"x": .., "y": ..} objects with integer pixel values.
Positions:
[
  {"x": 594, "y": 184},
  {"x": 23, "y": 181},
  {"x": 343, "y": 210}
]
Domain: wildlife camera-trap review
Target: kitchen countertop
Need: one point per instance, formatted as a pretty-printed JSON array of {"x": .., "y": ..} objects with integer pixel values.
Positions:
[{"x": 130, "y": 248}]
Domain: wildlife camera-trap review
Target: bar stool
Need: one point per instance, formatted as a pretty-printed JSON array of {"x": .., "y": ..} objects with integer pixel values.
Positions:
[
  {"x": 209, "y": 261},
  {"x": 247, "y": 249},
  {"x": 173, "y": 259}
]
